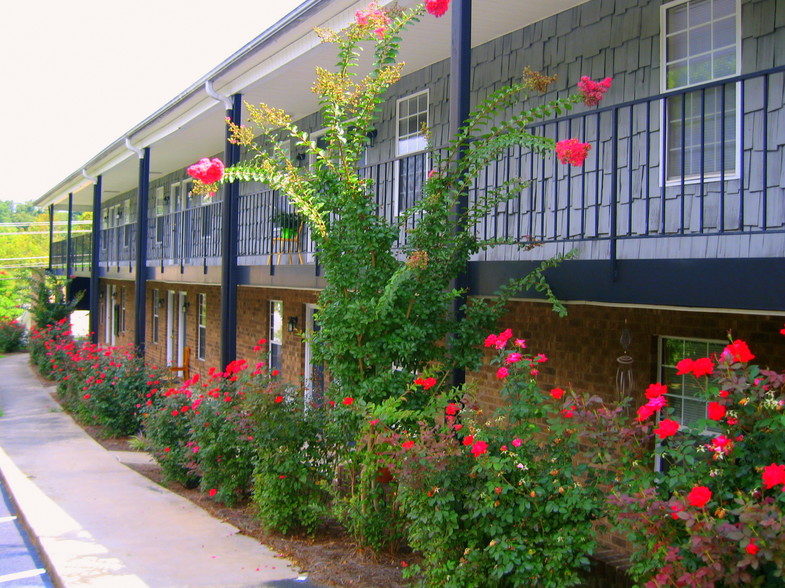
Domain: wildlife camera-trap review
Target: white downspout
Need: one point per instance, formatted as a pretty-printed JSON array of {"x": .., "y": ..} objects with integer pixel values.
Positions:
[
  {"x": 208, "y": 87},
  {"x": 139, "y": 152}
]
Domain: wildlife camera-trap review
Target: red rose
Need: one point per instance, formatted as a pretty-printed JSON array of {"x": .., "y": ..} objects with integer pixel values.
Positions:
[
  {"x": 738, "y": 351},
  {"x": 699, "y": 496},
  {"x": 716, "y": 411},
  {"x": 773, "y": 475},
  {"x": 667, "y": 428}
]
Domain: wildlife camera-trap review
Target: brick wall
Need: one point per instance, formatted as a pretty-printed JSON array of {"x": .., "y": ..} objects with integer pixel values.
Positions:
[
  {"x": 582, "y": 347},
  {"x": 124, "y": 299},
  {"x": 252, "y": 325}
]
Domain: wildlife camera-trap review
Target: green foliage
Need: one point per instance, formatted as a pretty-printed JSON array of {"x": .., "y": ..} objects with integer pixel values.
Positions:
[
  {"x": 508, "y": 501},
  {"x": 384, "y": 305},
  {"x": 48, "y": 299},
  {"x": 12, "y": 336},
  {"x": 23, "y": 244},
  {"x": 737, "y": 537},
  {"x": 293, "y": 467}
]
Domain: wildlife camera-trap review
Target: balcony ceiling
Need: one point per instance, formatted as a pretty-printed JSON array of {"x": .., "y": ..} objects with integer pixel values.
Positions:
[{"x": 278, "y": 71}]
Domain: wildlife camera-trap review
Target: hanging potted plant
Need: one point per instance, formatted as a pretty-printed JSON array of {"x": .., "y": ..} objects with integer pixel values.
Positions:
[{"x": 289, "y": 222}]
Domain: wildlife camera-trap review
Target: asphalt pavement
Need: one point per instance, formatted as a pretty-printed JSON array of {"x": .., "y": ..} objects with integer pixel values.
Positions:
[{"x": 20, "y": 563}]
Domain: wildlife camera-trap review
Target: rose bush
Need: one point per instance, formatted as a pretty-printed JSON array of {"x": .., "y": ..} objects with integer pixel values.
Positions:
[{"x": 713, "y": 514}]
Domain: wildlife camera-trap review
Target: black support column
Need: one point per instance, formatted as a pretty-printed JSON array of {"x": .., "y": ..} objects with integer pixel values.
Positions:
[
  {"x": 95, "y": 259},
  {"x": 69, "y": 267},
  {"x": 460, "y": 91},
  {"x": 51, "y": 233},
  {"x": 140, "y": 292},
  {"x": 229, "y": 244}
]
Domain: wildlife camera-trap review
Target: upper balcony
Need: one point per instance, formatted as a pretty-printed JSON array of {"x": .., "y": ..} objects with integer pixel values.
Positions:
[{"x": 691, "y": 174}]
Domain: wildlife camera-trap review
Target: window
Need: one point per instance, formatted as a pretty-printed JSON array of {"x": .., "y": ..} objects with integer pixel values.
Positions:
[
  {"x": 201, "y": 339},
  {"x": 175, "y": 197},
  {"x": 156, "y": 321},
  {"x": 412, "y": 117},
  {"x": 700, "y": 43},
  {"x": 160, "y": 210},
  {"x": 276, "y": 334},
  {"x": 412, "y": 170},
  {"x": 122, "y": 309},
  {"x": 684, "y": 392}
]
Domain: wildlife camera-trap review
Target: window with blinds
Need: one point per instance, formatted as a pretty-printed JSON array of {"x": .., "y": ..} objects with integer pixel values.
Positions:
[
  {"x": 684, "y": 391},
  {"x": 700, "y": 44}
]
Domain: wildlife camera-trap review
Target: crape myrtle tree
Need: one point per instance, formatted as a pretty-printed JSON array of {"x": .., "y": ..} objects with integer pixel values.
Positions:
[{"x": 386, "y": 311}]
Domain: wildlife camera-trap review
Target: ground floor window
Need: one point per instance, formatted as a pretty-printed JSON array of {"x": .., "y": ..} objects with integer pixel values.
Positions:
[
  {"x": 684, "y": 391},
  {"x": 156, "y": 319}
]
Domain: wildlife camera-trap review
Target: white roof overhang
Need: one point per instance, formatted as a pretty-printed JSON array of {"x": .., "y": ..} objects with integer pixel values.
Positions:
[{"x": 276, "y": 68}]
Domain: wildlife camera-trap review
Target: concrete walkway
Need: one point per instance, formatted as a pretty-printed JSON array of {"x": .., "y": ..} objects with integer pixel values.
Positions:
[{"x": 98, "y": 522}]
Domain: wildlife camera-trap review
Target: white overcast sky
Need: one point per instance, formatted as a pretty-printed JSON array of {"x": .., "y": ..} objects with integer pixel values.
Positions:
[{"x": 75, "y": 75}]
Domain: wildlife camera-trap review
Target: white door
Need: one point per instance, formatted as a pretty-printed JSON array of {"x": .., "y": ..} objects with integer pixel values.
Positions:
[
  {"x": 170, "y": 332},
  {"x": 181, "y": 305},
  {"x": 314, "y": 372}
]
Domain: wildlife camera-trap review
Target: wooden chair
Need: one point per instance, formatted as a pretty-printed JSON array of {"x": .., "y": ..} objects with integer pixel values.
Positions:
[
  {"x": 185, "y": 368},
  {"x": 287, "y": 246}
]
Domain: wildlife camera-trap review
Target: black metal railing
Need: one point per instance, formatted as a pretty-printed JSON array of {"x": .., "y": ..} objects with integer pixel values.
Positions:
[
  {"x": 81, "y": 253},
  {"x": 701, "y": 161},
  {"x": 186, "y": 237},
  {"x": 686, "y": 163}
]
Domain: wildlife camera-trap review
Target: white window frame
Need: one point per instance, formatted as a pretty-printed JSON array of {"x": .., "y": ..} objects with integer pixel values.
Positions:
[
  {"x": 661, "y": 378},
  {"x": 177, "y": 200},
  {"x": 399, "y": 155},
  {"x": 275, "y": 338},
  {"x": 156, "y": 315},
  {"x": 661, "y": 367},
  {"x": 201, "y": 328},
  {"x": 160, "y": 203},
  {"x": 714, "y": 176},
  {"x": 398, "y": 103},
  {"x": 122, "y": 309}
]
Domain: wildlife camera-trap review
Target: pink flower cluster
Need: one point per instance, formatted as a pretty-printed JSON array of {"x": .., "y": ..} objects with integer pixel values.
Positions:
[
  {"x": 572, "y": 151},
  {"x": 207, "y": 171},
  {"x": 437, "y": 7},
  {"x": 593, "y": 91},
  {"x": 375, "y": 18},
  {"x": 657, "y": 401}
]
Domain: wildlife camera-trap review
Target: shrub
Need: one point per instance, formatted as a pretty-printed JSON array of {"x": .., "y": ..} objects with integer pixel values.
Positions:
[
  {"x": 12, "y": 335},
  {"x": 293, "y": 464},
  {"x": 507, "y": 501},
  {"x": 167, "y": 431},
  {"x": 715, "y": 515},
  {"x": 222, "y": 430},
  {"x": 48, "y": 348}
]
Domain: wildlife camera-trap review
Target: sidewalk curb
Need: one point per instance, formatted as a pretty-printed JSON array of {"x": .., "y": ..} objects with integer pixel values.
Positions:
[{"x": 15, "y": 482}]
